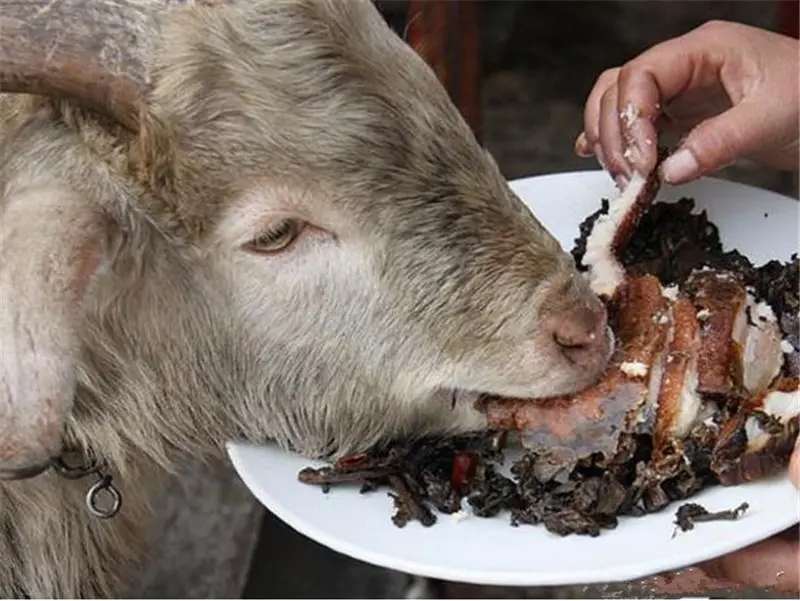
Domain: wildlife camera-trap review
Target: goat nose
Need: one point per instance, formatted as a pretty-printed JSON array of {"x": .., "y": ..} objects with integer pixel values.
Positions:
[{"x": 581, "y": 335}]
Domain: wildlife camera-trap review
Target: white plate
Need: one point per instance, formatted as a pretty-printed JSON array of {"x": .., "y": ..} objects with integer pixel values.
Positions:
[{"x": 761, "y": 224}]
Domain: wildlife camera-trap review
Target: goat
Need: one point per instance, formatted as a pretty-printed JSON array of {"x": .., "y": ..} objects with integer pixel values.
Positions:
[{"x": 244, "y": 219}]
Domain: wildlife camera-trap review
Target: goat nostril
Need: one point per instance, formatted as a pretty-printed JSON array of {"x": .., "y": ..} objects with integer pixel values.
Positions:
[
  {"x": 575, "y": 333},
  {"x": 581, "y": 336},
  {"x": 568, "y": 340}
]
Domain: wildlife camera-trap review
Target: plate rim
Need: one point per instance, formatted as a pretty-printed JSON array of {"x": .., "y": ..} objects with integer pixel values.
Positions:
[
  {"x": 704, "y": 551},
  {"x": 604, "y": 575}
]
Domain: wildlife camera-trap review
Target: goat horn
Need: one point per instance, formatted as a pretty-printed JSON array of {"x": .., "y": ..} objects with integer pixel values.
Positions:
[{"x": 90, "y": 52}]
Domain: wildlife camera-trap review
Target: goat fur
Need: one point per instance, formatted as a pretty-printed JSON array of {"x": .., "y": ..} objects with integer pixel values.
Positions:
[{"x": 421, "y": 272}]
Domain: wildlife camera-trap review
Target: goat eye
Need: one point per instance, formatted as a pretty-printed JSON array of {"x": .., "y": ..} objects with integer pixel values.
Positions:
[{"x": 277, "y": 238}]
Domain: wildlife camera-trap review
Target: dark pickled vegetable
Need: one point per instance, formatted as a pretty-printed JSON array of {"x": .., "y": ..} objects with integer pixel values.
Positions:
[
  {"x": 448, "y": 474},
  {"x": 462, "y": 472},
  {"x": 672, "y": 240},
  {"x": 690, "y": 514}
]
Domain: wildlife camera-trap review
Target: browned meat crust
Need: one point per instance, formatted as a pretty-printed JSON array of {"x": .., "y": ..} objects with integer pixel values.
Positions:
[
  {"x": 721, "y": 298},
  {"x": 650, "y": 433},
  {"x": 679, "y": 366}
]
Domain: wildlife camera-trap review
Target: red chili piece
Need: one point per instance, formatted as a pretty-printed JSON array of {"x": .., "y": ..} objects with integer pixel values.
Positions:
[
  {"x": 351, "y": 461},
  {"x": 464, "y": 465}
]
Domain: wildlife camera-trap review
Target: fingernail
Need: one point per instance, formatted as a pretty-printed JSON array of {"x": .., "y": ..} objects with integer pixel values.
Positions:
[
  {"x": 582, "y": 147},
  {"x": 621, "y": 181},
  {"x": 680, "y": 167}
]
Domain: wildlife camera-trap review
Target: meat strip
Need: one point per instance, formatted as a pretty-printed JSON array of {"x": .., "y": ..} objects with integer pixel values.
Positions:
[
  {"x": 567, "y": 429},
  {"x": 611, "y": 232},
  {"x": 679, "y": 403}
]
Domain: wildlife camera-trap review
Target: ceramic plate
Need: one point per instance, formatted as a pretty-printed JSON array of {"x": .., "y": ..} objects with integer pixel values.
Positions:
[{"x": 761, "y": 224}]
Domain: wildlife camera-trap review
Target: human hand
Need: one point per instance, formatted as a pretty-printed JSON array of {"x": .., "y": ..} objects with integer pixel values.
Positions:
[
  {"x": 774, "y": 562},
  {"x": 731, "y": 87}
]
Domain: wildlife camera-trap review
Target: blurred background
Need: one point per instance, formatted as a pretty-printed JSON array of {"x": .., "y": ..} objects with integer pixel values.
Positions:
[{"x": 520, "y": 70}]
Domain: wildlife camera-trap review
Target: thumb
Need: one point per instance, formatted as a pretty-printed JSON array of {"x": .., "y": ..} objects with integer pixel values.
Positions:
[
  {"x": 717, "y": 142},
  {"x": 773, "y": 563},
  {"x": 794, "y": 465}
]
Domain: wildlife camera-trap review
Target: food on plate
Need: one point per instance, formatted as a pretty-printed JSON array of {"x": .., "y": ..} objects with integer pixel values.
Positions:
[
  {"x": 690, "y": 514},
  {"x": 608, "y": 232},
  {"x": 425, "y": 473},
  {"x": 703, "y": 390}
]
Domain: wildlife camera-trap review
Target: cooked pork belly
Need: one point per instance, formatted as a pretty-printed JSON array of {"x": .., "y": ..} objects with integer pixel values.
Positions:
[
  {"x": 569, "y": 428},
  {"x": 669, "y": 343},
  {"x": 612, "y": 230},
  {"x": 679, "y": 402},
  {"x": 720, "y": 299},
  {"x": 740, "y": 341},
  {"x": 762, "y": 347},
  {"x": 760, "y": 439}
]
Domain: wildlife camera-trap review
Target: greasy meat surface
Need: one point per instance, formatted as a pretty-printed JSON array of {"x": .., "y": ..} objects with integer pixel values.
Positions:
[
  {"x": 721, "y": 301},
  {"x": 679, "y": 402},
  {"x": 611, "y": 230},
  {"x": 569, "y": 428},
  {"x": 703, "y": 390},
  {"x": 741, "y": 350}
]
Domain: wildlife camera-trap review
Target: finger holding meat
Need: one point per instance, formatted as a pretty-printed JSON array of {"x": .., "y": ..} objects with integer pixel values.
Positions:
[{"x": 729, "y": 89}]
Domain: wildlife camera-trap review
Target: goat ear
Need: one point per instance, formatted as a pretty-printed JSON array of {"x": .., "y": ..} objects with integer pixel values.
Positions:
[{"x": 51, "y": 244}]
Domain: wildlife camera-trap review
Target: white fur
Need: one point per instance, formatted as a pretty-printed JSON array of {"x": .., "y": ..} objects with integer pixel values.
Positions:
[{"x": 419, "y": 271}]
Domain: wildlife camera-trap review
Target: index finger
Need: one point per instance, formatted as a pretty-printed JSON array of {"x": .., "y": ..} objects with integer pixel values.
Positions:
[
  {"x": 591, "y": 114},
  {"x": 653, "y": 79}
]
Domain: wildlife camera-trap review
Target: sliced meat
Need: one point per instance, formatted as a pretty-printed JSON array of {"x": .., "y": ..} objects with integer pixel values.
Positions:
[
  {"x": 741, "y": 351},
  {"x": 721, "y": 302},
  {"x": 564, "y": 430},
  {"x": 679, "y": 403},
  {"x": 758, "y": 442},
  {"x": 611, "y": 232},
  {"x": 762, "y": 350},
  {"x": 645, "y": 325}
]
